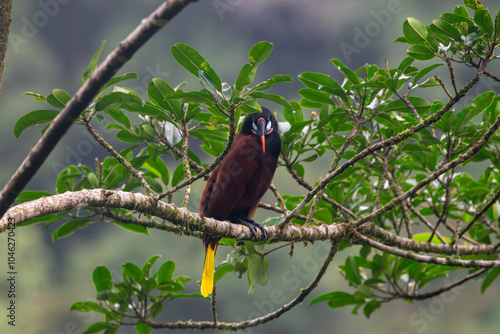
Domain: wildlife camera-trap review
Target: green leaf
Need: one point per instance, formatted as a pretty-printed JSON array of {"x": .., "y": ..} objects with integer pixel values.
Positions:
[
  {"x": 132, "y": 227},
  {"x": 117, "y": 79},
  {"x": 29, "y": 195},
  {"x": 272, "y": 97},
  {"x": 420, "y": 104},
  {"x": 352, "y": 271},
  {"x": 424, "y": 237},
  {"x": 370, "y": 307},
  {"x": 473, "y": 4},
  {"x": 191, "y": 97},
  {"x": 93, "y": 62},
  {"x": 118, "y": 116},
  {"x": 193, "y": 62},
  {"x": 38, "y": 97},
  {"x": 131, "y": 271},
  {"x": 492, "y": 275},
  {"x": 142, "y": 328},
  {"x": 257, "y": 269},
  {"x": 478, "y": 105},
  {"x": 116, "y": 100},
  {"x": 69, "y": 228},
  {"x": 414, "y": 31},
  {"x": 350, "y": 75},
  {"x": 420, "y": 52},
  {"x": 222, "y": 270},
  {"x": 483, "y": 19},
  {"x": 265, "y": 85},
  {"x": 178, "y": 175},
  {"x": 102, "y": 279},
  {"x": 316, "y": 96},
  {"x": 258, "y": 53},
  {"x": 61, "y": 96},
  {"x": 442, "y": 27},
  {"x": 146, "y": 269},
  {"x": 158, "y": 90},
  {"x": 34, "y": 118},
  {"x": 337, "y": 299},
  {"x": 97, "y": 327},
  {"x": 165, "y": 272},
  {"x": 424, "y": 72}
]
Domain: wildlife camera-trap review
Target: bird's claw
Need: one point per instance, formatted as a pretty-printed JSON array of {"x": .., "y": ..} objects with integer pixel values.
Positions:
[{"x": 252, "y": 226}]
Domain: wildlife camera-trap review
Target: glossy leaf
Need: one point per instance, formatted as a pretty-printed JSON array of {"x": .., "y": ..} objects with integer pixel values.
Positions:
[
  {"x": 193, "y": 62},
  {"x": 258, "y": 53},
  {"x": 102, "y": 279},
  {"x": 414, "y": 31},
  {"x": 93, "y": 62},
  {"x": 257, "y": 269},
  {"x": 34, "y": 118},
  {"x": 69, "y": 228},
  {"x": 444, "y": 28},
  {"x": 272, "y": 97},
  {"x": 420, "y": 52}
]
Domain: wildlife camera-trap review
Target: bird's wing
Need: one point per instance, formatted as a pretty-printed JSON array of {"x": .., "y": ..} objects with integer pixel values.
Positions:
[{"x": 228, "y": 183}]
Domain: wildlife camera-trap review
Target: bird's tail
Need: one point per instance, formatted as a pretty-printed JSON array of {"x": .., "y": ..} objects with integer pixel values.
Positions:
[{"x": 207, "y": 281}]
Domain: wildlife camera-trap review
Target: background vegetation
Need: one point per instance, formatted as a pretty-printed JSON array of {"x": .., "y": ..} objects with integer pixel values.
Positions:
[{"x": 305, "y": 36}]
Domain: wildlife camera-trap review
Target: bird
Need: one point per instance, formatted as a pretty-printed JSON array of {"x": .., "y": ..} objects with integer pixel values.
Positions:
[{"x": 235, "y": 187}]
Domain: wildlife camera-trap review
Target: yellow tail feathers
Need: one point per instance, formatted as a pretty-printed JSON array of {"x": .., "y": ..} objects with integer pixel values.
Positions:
[{"x": 207, "y": 281}]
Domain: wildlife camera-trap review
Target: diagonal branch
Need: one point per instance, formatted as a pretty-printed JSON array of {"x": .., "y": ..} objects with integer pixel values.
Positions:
[
  {"x": 83, "y": 97},
  {"x": 117, "y": 156},
  {"x": 400, "y": 137}
]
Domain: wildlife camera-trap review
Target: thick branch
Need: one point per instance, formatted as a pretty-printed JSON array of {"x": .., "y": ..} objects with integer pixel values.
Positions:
[
  {"x": 5, "y": 20},
  {"x": 190, "y": 222},
  {"x": 83, "y": 97}
]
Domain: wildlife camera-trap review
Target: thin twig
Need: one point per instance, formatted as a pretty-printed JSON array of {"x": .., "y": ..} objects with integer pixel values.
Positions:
[
  {"x": 441, "y": 82},
  {"x": 480, "y": 213},
  {"x": 213, "y": 305},
  {"x": 452, "y": 74},
  {"x": 117, "y": 156},
  {"x": 444, "y": 288},
  {"x": 185, "y": 164}
]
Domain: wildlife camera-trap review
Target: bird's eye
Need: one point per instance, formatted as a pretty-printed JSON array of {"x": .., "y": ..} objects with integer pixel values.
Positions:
[
  {"x": 268, "y": 126},
  {"x": 254, "y": 126}
]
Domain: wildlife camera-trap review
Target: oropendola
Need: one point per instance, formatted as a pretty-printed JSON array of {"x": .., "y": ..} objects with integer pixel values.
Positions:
[{"x": 237, "y": 184}]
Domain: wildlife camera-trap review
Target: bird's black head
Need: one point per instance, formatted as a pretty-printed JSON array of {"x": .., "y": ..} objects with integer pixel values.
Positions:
[{"x": 265, "y": 126}]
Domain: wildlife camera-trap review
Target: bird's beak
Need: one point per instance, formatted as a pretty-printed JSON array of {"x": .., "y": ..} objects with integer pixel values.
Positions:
[{"x": 261, "y": 131}]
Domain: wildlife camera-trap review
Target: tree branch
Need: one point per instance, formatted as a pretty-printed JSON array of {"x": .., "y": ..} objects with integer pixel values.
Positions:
[
  {"x": 83, "y": 97},
  {"x": 260, "y": 320},
  {"x": 5, "y": 20}
]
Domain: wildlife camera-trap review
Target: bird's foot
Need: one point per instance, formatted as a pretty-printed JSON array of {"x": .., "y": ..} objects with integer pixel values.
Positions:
[{"x": 252, "y": 225}]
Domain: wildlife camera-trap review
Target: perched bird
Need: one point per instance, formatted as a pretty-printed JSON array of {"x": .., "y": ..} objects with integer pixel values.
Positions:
[{"x": 237, "y": 184}]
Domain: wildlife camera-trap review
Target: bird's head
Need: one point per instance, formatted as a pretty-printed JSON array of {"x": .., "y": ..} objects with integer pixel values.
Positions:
[{"x": 262, "y": 125}]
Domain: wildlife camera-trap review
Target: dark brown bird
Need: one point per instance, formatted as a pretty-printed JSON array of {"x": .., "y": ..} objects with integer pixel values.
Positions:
[{"x": 237, "y": 184}]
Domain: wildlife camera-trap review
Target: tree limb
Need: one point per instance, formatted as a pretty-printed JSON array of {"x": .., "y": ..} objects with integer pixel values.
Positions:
[
  {"x": 83, "y": 97},
  {"x": 5, "y": 20}
]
